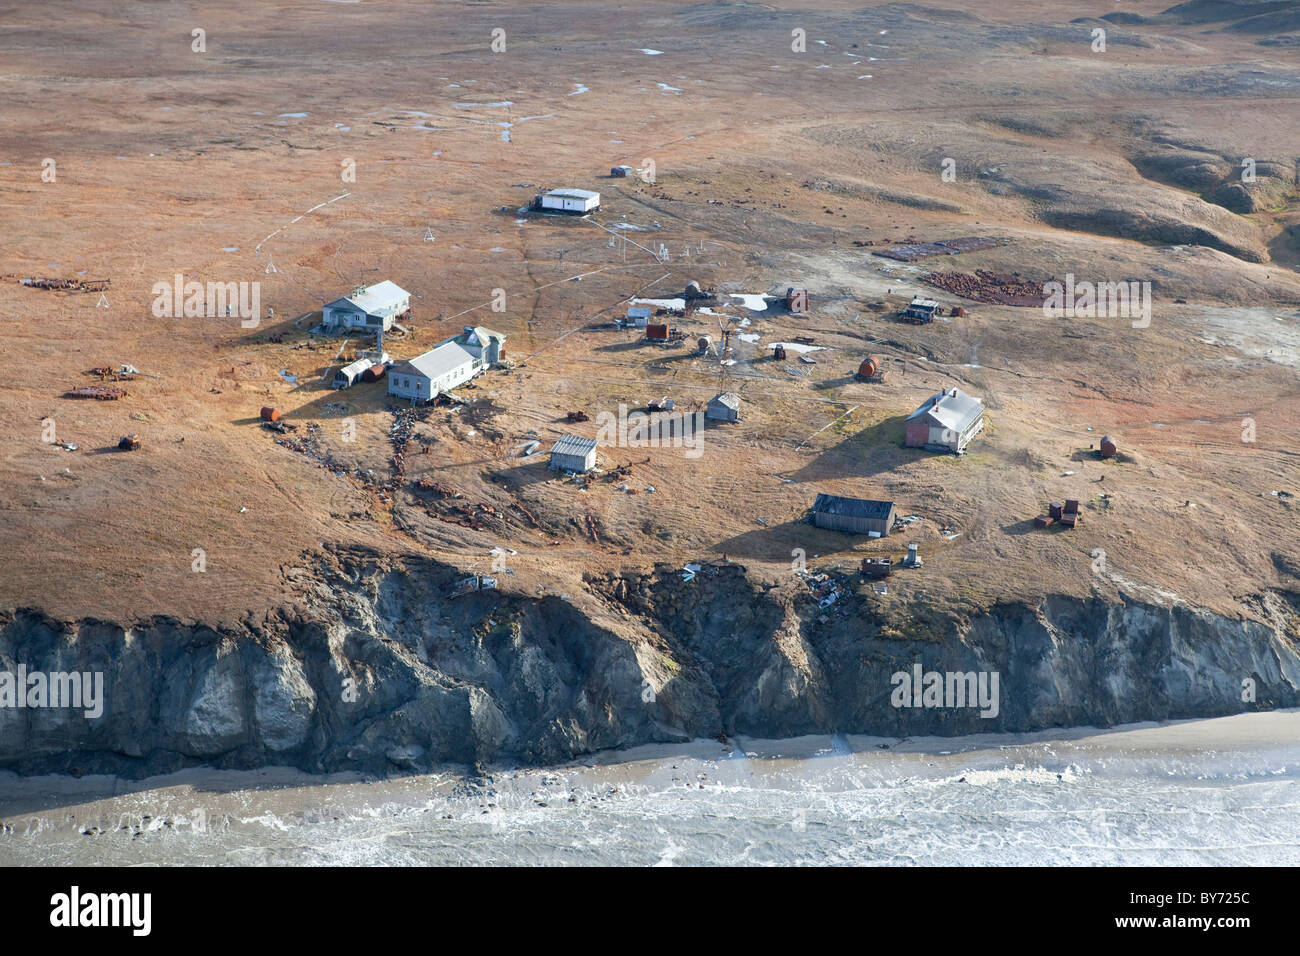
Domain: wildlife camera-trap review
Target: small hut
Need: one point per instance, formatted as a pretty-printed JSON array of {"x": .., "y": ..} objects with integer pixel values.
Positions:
[
  {"x": 724, "y": 407},
  {"x": 573, "y": 453}
]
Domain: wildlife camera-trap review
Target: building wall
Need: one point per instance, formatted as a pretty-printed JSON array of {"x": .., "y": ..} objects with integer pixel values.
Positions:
[
  {"x": 975, "y": 428},
  {"x": 457, "y": 376},
  {"x": 420, "y": 388},
  {"x": 918, "y": 434},
  {"x": 722, "y": 413},
  {"x": 957, "y": 443},
  {"x": 922, "y": 434},
  {"x": 562, "y": 462},
  {"x": 354, "y": 319},
  {"x": 852, "y": 525},
  {"x": 344, "y": 317},
  {"x": 408, "y": 385},
  {"x": 567, "y": 204}
]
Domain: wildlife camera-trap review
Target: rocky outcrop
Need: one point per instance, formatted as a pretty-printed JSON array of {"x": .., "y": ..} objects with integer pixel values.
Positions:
[{"x": 378, "y": 671}]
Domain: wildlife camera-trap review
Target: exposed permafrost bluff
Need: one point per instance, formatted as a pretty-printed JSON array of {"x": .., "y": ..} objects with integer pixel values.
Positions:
[
  {"x": 380, "y": 672},
  {"x": 468, "y": 400}
]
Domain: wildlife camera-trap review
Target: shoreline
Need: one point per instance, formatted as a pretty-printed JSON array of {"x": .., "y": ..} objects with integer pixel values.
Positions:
[{"x": 1192, "y": 736}]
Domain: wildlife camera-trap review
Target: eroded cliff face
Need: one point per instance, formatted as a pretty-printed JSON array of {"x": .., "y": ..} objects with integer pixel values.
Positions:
[{"x": 376, "y": 670}]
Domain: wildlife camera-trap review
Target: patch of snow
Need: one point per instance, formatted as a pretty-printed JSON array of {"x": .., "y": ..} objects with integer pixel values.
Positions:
[
  {"x": 798, "y": 347},
  {"x": 755, "y": 303}
]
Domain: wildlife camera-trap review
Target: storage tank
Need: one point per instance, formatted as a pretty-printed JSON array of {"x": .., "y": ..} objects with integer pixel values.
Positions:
[
  {"x": 704, "y": 343},
  {"x": 1108, "y": 449},
  {"x": 374, "y": 373},
  {"x": 270, "y": 414},
  {"x": 693, "y": 290},
  {"x": 657, "y": 332},
  {"x": 869, "y": 367}
]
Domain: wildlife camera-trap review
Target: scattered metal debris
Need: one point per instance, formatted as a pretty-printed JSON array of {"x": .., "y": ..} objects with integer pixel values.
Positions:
[
  {"x": 102, "y": 393},
  {"x": 983, "y": 286},
  {"x": 67, "y": 285}
]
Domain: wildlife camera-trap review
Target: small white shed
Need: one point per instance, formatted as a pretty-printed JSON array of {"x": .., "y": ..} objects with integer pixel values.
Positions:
[
  {"x": 579, "y": 201},
  {"x": 348, "y": 375}
]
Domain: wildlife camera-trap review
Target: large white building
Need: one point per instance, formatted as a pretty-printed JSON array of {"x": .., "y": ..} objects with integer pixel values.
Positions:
[
  {"x": 447, "y": 365},
  {"x": 571, "y": 200},
  {"x": 371, "y": 308},
  {"x": 437, "y": 370}
]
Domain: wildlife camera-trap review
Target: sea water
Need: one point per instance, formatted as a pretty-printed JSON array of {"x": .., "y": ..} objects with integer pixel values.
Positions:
[{"x": 1223, "y": 791}]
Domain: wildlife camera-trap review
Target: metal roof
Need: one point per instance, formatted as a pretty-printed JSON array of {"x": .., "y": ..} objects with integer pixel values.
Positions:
[
  {"x": 436, "y": 363},
  {"x": 382, "y": 298},
  {"x": 952, "y": 409},
  {"x": 573, "y": 445},
  {"x": 574, "y": 194},
  {"x": 730, "y": 399},
  {"x": 357, "y": 367},
  {"x": 852, "y": 507},
  {"x": 924, "y": 304},
  {"x": 477, "y": 336}
]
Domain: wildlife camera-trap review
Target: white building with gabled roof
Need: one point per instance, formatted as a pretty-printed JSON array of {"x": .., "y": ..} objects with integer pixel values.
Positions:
[
  {"x": 372, "y": 308},
  {"x": 484, "y": 344},
  {"x": 947, "y": 420},
  {"x": 438, "y": 370}
]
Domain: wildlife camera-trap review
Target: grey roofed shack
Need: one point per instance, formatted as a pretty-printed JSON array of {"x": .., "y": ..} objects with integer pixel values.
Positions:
[
  {"x": 853, "y": 515},
  {"x": 923, "y": 309},
  {"x": 573, "y": 453},
  {"x": 724, "y": 406}
]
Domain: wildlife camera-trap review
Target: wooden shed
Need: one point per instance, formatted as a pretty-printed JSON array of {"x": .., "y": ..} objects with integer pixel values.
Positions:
[{"x": 853, "y": 515}]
